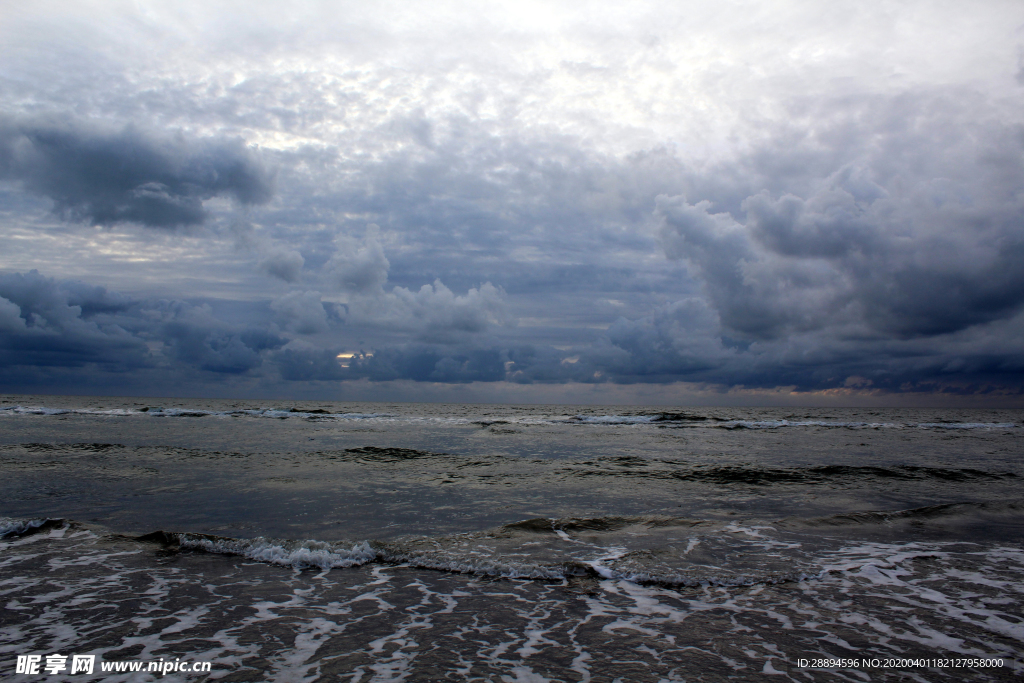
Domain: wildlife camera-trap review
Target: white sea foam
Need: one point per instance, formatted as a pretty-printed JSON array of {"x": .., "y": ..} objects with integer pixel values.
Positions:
[{"x": 874, "y": 600}]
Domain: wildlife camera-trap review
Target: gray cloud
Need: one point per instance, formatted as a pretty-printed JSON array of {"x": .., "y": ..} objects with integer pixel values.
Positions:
[
  {"x": 680, "y": 339},
  {"x": 896, "y": 239},
  {"x": 49, "y": 324},
  {"x": 432, "y": 313},
  {"x": 284, "y": 264},
  {"x": 427, "y": 363},
  {"x": 194, "y": 336},
  {"x": 104, "y": 176},
  {"x": 359, "y": 267},
  {"x": 309, "y": 364},
  {"x": 68, "y": 324},
  {"x": 852, "y": 220},
  {"x": 301, "y": 312}
]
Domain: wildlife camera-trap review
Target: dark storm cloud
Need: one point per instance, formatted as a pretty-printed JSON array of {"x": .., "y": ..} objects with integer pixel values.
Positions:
[
  {"x": 672, "y": 345},
  {"x": 679, "y": 339},
  {"x": 178, "y": 343},
  {"x": 871, "y": 240},
  {"x": 102, "y": 176},
  {"x": 45, "y": 323},
  {"x": 195, "y": 336},
  {"x": 310, "y": 365}
]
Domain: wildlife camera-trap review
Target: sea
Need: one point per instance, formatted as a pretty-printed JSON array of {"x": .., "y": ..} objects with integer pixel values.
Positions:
[{"x": 248, "y": 540}]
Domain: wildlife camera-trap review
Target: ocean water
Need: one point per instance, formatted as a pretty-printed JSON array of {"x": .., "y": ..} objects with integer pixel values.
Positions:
[{"x": 299, "y": 541}]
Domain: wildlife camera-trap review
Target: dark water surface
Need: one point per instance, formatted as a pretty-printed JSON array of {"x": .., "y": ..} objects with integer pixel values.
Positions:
[{"x": 378, "y": 542}]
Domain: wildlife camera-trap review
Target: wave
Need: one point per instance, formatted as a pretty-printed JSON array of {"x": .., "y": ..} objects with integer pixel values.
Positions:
[
  {"x": 611, "y": 523},
  {"x": 640, "y": 418},
  {"x": 672, "y": 552},
  {"x": 310, "y": 554},
  {"x": 824, "y": 473},
  {"x": 633, "y": 467},
  {"x": 611, "y": 419},
  {"x": 666, "y": 419},
  {"x": 625, "y": 467},
  {"x": 324, "y": 555},
  {"x": 14, "y": 528},
  {"x": 377, "y": 454},
  {"x": 835, "y": 424},
  {"x": 157, "y": 411},
  {"x": 658, "y": 550},
  {"x": 568, "y": 551},
  {"x": 643, "y": 418},
  {"x": 1012, "y": 510},
  {"x": 298, "y": 554}
]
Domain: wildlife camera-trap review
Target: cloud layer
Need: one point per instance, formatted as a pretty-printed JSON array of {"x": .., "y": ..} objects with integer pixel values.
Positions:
[{"x": 751, "y": 196}]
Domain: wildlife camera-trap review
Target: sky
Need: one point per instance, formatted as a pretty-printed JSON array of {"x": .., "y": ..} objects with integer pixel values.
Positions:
[{"x": 692, "y": 203}]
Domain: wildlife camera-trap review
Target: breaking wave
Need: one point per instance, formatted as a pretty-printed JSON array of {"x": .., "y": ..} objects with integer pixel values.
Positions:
[
  {"x": 649, "y": 550},
  {"x": 13, "y": 528}
]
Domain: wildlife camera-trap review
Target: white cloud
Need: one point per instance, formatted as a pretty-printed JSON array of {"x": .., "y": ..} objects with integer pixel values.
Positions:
[
  {"x": 301, "y": 312},
  {"x": 284, "y": 264},
  {"x": 358, "y": 266},
  {"x": 434, "y": 312}
]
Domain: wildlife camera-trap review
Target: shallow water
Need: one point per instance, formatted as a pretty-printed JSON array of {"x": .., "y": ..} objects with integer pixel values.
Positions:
[{"x": 301, "y": 541}]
